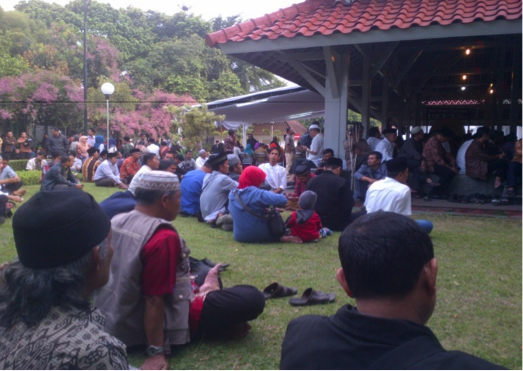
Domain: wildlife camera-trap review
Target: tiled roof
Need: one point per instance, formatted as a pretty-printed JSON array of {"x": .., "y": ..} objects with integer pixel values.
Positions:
[{"x": 326, "y": 17}]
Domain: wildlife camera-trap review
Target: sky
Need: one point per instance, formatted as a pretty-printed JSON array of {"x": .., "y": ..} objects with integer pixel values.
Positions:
[{"x": 206, "y": 8}]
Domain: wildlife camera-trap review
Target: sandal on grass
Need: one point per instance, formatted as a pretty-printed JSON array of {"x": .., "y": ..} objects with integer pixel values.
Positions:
[
  {"x": 312, "y": 297},
  {"x": 275, "y": 290}
]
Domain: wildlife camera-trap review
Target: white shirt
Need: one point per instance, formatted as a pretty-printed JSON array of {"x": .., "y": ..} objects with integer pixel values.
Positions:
[
  {"x": 200, "y": 162},
  {"x": 388, "y": 195},
  {"x": 153, "y": 148},
  {"x": 136, "y": 178},
  {"x": 386, "y": 148},
  {"x": 460, "y": 158},
  {"x": 276, "y": 175},
  {"x": 91, "y": 141},
  {"x": 31, "y": 164},
  {"x": 107, "y": 170},
  {"x": 316, "y": 146},
  {"x": 373, "y": 142}
]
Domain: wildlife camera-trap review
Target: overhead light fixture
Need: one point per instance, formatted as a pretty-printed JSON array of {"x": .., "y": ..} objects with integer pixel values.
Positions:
[
  {"x": 463, "y": 88},
  {"x": 467, "y": 52},
  {"x": 464, "y": 77},
  {"x": 250, "y": 103},
  {"x": 491, "y": 91}
]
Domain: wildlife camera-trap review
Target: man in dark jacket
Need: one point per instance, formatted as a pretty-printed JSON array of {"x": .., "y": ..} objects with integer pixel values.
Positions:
[
  {"x": 57, "y": 143},
  {"x": 388, "y": 266},
  {"x": 335, "y": 200},
  {"x": 60, "y": 176}
]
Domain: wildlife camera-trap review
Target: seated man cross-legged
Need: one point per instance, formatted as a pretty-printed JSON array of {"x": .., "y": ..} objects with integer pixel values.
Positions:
[
  {"x": 60, "y": 176},
  {"x": 276, "y": 174},
  {"x": 150, "y": 299},
  {"x": 392, "y": 193},
  {"x": 107, "y": 174},
  {"x": 367, "y": 174},
  {"x": 389, "y": 268}
]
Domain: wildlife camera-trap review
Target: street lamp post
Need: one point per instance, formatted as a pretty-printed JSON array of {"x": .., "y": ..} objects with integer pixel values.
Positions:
[{"x": 107, "y": 90}]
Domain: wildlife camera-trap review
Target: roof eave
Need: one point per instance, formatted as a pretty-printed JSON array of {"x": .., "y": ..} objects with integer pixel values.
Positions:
[{"x": 497, "y": 27}]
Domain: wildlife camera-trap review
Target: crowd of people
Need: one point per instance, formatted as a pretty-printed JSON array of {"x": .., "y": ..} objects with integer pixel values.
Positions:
[{"x": 126, "y": 254}]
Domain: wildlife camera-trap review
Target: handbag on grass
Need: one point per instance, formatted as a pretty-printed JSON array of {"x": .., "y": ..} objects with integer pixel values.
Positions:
[{"x": 276, "y": 223}]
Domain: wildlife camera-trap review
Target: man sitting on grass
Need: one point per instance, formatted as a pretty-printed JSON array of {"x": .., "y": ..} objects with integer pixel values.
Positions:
[
  {"x": 130, "y": 166},
  {"x": 46, "y": 319},
  {"x": 36, "y": 163},
  {"x": 150, "y": 301},
  {"x": 276, "y": 174},
  {"x": 388, "y": 266},
  {"x": 60, "y": 176},
  {"x": 10, "y": 181},
  {"x": 107, "y": 174}
]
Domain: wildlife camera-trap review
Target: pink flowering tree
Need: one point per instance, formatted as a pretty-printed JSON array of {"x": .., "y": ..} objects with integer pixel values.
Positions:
[{"x": 43, "y": 98}]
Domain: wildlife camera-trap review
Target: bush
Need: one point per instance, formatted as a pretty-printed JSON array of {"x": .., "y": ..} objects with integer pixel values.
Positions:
[
  {"x": 18, "y": 165},
  {"x": 29, "y": 177}
]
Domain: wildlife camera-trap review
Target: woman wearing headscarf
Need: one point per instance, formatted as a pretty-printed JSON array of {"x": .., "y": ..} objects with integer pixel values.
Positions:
[
  {"x": 248, "y": 227},
  {"x": 99, "y": 143},
  {"x": 82, "y": 147}
]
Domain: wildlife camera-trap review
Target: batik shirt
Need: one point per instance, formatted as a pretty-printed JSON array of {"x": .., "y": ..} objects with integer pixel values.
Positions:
[{"x": 67, "y": 338}]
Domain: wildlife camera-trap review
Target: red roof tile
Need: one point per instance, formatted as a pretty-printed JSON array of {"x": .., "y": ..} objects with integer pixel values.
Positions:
[{"x": 326, "y": 17}]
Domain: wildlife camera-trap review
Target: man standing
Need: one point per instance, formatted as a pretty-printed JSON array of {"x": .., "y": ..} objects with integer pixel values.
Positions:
[
  {"x": 150, "y": 162},
  {"x": 392, "y": 193},
  {"x": 387, "y": 146},
  {"x": 368, "y": 174},
  {"x": 315, "y": 152},
  {"x": 216, "y": 188},
  {"x": 60, "y": 176},
  {"x": 230, "y": 142},
  {"x": 126, "y": 147},
  {"x": 290, "y": 150},
  {"x": 8, "y": 146},
  {"x": 202, "y": 157},
  {"x": 335, "y": 201},
  {"x": 251, "y": 141},
  {"x": 107, "y": 174},
  {"x": 90, "y": 137},
  {"x": 64, "y": 254},
  {"x": 188, "y": 164},
  {"x": 9, "y": 181},
  {"x": 150, "y": 301},
  {"x": 57, "y": 142},
  {"x": 389, "y": 268},
  {"x": 276, "y": 174},
  {"x": 374, "y": 137},
  {"x": 130, "y": 166}
]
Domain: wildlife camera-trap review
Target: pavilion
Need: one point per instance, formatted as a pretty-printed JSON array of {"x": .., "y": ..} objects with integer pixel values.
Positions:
[{"x": 409, "y": 61}]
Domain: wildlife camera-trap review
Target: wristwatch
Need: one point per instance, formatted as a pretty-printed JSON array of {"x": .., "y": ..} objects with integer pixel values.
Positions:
[{"x": 154, "y": 350}]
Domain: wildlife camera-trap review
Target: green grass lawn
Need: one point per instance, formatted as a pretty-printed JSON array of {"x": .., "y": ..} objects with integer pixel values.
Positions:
[{"x": 479, "y": 288}]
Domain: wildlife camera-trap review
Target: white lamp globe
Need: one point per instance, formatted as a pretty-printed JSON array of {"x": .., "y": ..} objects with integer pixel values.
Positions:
[{"x": 107, "y": 88}]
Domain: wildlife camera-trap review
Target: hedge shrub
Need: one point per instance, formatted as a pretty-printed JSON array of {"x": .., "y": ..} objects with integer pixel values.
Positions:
[
  {"x": 29, "y": 177},
  {"x": 18, "y": 165}
]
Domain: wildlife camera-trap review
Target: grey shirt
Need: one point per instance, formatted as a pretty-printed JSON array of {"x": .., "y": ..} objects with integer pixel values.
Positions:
[{"x": 216, "y": 187}]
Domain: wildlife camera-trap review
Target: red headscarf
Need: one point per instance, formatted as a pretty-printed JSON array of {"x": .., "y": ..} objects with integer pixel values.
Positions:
[{"x": 251, "y": 176}]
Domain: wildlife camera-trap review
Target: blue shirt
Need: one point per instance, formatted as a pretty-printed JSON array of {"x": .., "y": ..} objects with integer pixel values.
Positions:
[
  {"x": 366, "y": 170},
  {"x": 117, "y": 203},
  {"x": 191, "y": 188},
  {"x": 247, "y": 227}
]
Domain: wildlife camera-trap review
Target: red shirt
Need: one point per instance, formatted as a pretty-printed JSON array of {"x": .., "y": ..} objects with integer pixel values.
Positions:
[
  {"x": 308, "y": 231},
  {"x": 129, "y": 167},
  {"x": 159, "y": 257},
  {"x": 300, "y": 187}
]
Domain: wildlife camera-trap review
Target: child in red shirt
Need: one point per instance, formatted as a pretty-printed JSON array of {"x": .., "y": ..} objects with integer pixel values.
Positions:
[{"x": 305, "y": 223}]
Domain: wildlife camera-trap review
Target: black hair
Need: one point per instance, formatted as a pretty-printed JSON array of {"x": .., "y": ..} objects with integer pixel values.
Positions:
[
  {"x": 216, "y": 167},
  {"x": 328, "y": 150},
  {"x": 149, "y": 197},
  {"x": 179, "y": 157},
  {"x": 55, "y": 155},
  {"x": 126, "y": 139},
  {"x": 231, "y": 132},
  {"x": 287, "y": 130},
  {"x": 65, "y": 157},
  {"x": 373, "y": 131},
  {"x": 150, "y": 140},
  {"x": 274, "y": 149},
  {"x": 382, "y": 255},
  {"x": 54, "y": 128},
  {"x": 148, "y": 157},
  {"x": 165, "y": 164},
  {"x": 378, "y": 155}
]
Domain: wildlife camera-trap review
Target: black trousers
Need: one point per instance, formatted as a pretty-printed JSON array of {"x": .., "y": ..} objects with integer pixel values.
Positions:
[
  {"x": 445, "y": 175},
  {"x": 498, "y": 168},
  {"x": 226, "y": 308},
  {"x": 514, "y": 173},
  {"x": 12, "y": 187},
  {"x": 417, "y": 178},
  {"x": 105, "y": 182},
  {"x": 3, "y": 207}
]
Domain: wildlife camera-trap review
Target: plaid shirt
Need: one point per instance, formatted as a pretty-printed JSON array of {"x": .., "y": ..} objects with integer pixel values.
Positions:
[
  {"x": 300, "y": 187},
  {"x": 435, "y": 154},
  {"x": 129, "y": 167}
]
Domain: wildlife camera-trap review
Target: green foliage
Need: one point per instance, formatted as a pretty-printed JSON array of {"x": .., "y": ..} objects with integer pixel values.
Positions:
[
  {"x": 18, "y": 165},
  {"x": 29, "y": 177},
  {"x": 196, "y": 123}
]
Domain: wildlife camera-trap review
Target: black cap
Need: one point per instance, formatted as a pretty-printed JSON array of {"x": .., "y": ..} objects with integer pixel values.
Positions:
[
  {"x": 58, "y": 227},
  {"x": 396, "y": 165},
  {"x": 302, "y": 169},
  {"x": 216, "y": 158}
]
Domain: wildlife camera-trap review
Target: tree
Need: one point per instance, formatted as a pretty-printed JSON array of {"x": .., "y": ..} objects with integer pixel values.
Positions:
[{"x": 196, "y": 123}]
